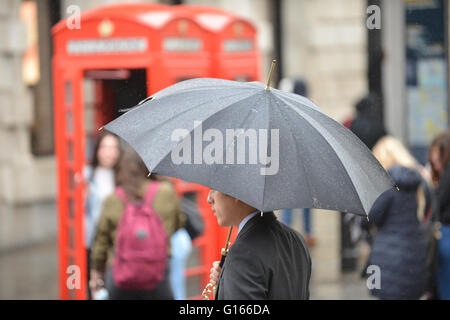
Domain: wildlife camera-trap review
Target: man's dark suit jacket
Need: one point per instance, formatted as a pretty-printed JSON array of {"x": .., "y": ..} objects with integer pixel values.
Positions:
[{"x": 268, "y": 260}]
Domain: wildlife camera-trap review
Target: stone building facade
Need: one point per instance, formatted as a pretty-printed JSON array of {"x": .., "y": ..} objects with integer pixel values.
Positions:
[
  {"x": 325, "y": 43},
  {"x": 24, "y": 179}
]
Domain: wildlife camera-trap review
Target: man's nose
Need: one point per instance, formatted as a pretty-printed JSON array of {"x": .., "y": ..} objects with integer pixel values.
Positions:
[{"x": 209, "y": 200}]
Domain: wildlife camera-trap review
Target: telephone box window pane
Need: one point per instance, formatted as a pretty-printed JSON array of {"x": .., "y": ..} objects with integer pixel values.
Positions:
[
  {"x": 70, "y": 260},
  {"x": 69, "y": 122},
  {"x": 70, "y": 178},
  {"x": 71, "y": 208},
  {"x": 70, "y": 150},
  {"x": 71, "y": 239},
  {"x": 68, "y": 97},
  {"x": 242, "y": 79},
  {"x": 235, "y": 45},
  {"x": 182, "y": 44}
]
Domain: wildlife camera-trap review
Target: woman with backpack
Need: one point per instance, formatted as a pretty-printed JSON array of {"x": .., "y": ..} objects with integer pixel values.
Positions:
[{"x": 132, "y": 247}]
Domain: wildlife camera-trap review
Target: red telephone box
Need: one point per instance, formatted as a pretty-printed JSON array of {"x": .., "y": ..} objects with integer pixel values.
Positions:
[
  {"x": 144, "y": 48},
  {"x": 233, "y": 43}
]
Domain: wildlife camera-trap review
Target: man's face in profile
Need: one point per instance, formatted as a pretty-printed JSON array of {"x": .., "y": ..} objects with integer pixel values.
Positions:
[{"x": 224, "y": 207}]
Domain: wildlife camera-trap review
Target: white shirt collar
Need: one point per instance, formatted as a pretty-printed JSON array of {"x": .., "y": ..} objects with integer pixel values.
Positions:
[{"x": 244, "y": 221}]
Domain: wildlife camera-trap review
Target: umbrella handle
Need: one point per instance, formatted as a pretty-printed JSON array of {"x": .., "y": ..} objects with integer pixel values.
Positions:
[{"x": 210, "y": 290}]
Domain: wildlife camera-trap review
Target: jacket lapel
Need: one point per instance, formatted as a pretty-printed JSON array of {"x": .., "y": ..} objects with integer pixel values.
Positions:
[{"x": 247, "y": 227}]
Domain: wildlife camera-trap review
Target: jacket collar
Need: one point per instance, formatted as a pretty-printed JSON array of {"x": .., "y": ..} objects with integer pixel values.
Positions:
[
  {"x": 267, "y": 216},
  {"x": 246, "y": 219}
]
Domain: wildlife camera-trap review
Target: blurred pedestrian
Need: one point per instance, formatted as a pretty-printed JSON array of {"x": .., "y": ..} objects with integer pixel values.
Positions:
[
  {"x": 298, "y": 86},
  {"x": 368, "y": 125},
  {"x": 439, "y": 155},
  {"x": 398, "y": 249},
  {"x": 114, "y": 236},
  {"x": 181, "y": 248},
  {"x": 100, "y": 183},
  {"x": 182, "y": 243}
]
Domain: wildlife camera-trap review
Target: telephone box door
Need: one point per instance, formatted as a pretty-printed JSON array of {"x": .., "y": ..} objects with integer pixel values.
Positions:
[{"x": 69, "y": 145}]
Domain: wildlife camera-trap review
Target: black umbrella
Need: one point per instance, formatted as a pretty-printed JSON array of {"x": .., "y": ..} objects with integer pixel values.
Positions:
[{"x": 268, "y": 148}]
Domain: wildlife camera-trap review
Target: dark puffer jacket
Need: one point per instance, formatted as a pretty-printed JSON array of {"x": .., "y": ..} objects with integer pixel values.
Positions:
[{"x": 398, "y": 248}]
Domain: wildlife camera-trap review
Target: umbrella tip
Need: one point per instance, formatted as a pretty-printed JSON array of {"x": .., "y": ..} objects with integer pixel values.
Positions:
[
  {"x": 100, "y": 129},
  {"x": 270, "y": 75}
]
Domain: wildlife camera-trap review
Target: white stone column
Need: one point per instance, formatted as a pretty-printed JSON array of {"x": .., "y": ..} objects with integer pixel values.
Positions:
[{"x": 393, "y": 68}]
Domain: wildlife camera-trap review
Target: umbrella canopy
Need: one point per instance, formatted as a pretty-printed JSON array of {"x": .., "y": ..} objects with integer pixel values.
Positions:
[{"x": 268, "y": 148}]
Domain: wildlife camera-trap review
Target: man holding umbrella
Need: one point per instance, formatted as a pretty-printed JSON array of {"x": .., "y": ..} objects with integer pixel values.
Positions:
[
  {"x": 268, "y": 260},
  {"x": 323, "y": 165}
]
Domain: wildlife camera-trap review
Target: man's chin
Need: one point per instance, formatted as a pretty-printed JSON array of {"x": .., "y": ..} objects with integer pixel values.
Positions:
[{"x": 222, "y": 223}]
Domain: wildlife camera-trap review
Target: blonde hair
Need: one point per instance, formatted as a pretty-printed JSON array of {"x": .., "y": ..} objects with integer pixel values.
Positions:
[{"x": 389, "y": 152}]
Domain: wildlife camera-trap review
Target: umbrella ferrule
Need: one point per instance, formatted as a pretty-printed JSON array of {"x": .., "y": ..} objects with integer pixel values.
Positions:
[{"x": 270, "y": 75}]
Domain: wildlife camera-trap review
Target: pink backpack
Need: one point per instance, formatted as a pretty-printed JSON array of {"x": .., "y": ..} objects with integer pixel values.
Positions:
[{"x": 141, "y": 244}]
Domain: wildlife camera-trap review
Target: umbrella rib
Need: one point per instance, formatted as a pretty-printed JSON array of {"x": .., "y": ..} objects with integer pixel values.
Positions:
[
  {"x": 215, "y": 114},
  {"x": 295, "y": 143},
  {"x": 362, "y": 170},
  {"x": 296, "y": 98},
  {"x": 301, "y": 113},
  {"x": 171, "y": 95},
  {"x": 185, "y": 111},
  {"x": 267, "y": 144},
  {"x": 179, "y": 114},
  {"x": 128, "y": 114},
  {"x": 248, "y": 114},
  {"x": 161, "y": 94},
  {"x": 186, "y": 91}
]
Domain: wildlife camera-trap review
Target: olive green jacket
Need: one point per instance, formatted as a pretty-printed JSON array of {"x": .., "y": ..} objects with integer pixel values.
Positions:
[{"x": 165, "y": 203}]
